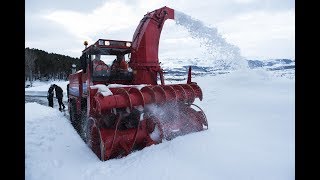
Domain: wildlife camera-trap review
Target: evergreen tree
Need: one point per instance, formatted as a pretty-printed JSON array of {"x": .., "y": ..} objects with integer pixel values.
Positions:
[{"x": 41, "y": 65}]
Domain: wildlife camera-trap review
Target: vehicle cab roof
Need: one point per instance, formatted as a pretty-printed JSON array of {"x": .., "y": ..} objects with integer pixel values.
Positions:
[{"x": 108, "y": 47}]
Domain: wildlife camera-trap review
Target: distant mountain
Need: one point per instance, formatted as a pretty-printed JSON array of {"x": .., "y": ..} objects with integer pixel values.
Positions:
[
  {"x": 280, "y": 67},
  {"x": 274, "y": 64}
]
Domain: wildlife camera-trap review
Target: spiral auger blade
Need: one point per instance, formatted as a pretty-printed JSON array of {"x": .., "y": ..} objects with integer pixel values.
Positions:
[{"x": 133, "y": 118}]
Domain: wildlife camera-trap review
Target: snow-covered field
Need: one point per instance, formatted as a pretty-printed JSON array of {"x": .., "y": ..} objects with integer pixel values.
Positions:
[{"x": 251, "y": 136}]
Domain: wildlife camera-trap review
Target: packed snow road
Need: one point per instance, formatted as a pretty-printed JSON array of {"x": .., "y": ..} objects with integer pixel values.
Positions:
[{"x": 44, "y": 101}]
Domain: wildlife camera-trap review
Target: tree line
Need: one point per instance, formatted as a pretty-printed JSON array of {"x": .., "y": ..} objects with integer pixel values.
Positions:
[{"x": 44, "y": 66}]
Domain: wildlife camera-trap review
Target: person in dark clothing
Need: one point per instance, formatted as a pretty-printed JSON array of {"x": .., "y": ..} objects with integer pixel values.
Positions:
[
  {"x": 59, "y": 96},
  {"x": 50, "y": 95}
]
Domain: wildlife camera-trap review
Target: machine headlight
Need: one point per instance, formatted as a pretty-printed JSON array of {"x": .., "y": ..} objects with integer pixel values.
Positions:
[
  {"x": 107, "y": 43},
  {"x": 128, "y": 44}
]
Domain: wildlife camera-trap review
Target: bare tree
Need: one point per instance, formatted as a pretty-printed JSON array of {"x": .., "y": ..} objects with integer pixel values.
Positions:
[{"x": 30, "y": 58}]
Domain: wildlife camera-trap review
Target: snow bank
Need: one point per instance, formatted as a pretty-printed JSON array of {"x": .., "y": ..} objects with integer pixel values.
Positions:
[
  {"x": 250, "y": 136},
  {"x": 103, "y": 89}
]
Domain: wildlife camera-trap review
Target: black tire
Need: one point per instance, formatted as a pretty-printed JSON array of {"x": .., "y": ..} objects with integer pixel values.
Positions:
[
  {"x": 94, "y": 140},
  {"x": 74, "y": 117}
]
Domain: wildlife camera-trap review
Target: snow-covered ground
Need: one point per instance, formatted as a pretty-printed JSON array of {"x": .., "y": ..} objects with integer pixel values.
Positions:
[{"x": 251, "y": 136}]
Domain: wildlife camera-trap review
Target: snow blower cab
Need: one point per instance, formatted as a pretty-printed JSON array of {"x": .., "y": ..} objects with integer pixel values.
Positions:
[
  {"x": 106, "y": 62},
  {"x": 121, "y": 106}
]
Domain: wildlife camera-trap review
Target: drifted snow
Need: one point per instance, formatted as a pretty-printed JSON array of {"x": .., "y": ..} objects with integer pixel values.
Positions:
[
  {"x": 156, "y": 134},
  {"x": 103, "y": 89},
  {"x": 140, "y": 86},
  {"x": 251, "y": 136}
]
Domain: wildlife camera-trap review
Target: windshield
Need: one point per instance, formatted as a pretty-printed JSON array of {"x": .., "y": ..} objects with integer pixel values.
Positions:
[
  {"x": 100, "y": 68},
  {"x": 110, "y": 66}
]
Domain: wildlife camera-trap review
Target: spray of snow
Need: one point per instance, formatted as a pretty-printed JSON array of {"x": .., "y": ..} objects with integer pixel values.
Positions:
[
  {"x": 219, "y": 52},
  {"x": 158, "y": 111},
  {"x": 168, "y": 113}
]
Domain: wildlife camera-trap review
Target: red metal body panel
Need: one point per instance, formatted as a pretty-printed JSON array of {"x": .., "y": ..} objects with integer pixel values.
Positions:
[
  {"x": 76, "y": 87},
  {"x": 145, "y": 46}
]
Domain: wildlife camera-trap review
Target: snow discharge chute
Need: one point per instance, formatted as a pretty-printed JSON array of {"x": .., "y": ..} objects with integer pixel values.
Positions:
[{"x": 120, "y": 108}]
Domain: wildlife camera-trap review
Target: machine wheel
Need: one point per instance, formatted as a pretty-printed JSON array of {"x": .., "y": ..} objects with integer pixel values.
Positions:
[
  {"x": 72, "y": 110},
  {"x": 74, "y": 117},
  {"x": 94, "y": 139}
]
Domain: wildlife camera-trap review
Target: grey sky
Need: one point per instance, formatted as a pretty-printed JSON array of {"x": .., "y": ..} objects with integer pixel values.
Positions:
[{"x": 260, "y": 28}]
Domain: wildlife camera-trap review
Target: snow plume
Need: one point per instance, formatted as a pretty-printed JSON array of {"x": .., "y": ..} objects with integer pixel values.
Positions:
[
  {"x": 167, "y": 114},
  {"x": 222, "y": 53},
  {"x": 160, "y": 113}
]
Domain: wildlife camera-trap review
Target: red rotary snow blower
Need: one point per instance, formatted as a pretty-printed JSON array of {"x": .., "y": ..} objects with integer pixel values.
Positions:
[{"x": 122, "y": 107}]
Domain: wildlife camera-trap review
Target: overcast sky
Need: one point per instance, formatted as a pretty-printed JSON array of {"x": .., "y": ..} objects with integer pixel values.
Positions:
[{"x": 260, "y": 28}]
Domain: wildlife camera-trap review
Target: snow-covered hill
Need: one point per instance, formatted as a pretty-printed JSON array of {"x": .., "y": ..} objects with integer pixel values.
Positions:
[
  {"x": 251, "y": 116},
  {"x": 177, "y": 69}
]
